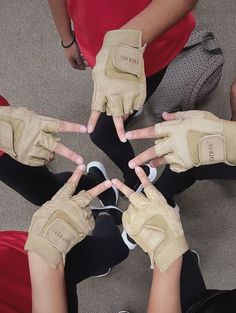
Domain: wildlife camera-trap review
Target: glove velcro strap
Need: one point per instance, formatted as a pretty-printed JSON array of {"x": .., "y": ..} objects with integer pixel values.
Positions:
[
  {"x": 127, "y": 59},
  {"x": 169, "y": 253},
  {"x": 130, "y": 37},
  {"x": 44, "y": 249},
  {"x": 230, "y": 135},
  {"x": 6, "y": 138}
]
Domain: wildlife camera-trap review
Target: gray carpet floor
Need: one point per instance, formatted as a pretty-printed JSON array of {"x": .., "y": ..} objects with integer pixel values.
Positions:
[{"x": 34, "y": 73}]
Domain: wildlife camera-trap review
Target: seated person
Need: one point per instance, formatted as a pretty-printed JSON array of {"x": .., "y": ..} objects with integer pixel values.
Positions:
[
  {"x": 91, "y": 255},
  {"x": 177, "y": 284},
  {"x": 29, "y": 142}
]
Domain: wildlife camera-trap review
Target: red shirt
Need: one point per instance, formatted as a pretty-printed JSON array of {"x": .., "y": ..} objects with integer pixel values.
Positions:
[
  {"x": 92, "y": 19},
  {"x": 3, "y": 101},
  {"x": 15, "y": 287}
]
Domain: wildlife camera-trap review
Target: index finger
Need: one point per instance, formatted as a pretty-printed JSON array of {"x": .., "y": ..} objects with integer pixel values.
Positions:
[
  {"x": 95, "y": 191},
  {"x": 75, "y": 177},
  {"x": 68, "y": 153},
  {"x": 122, "y": 187},
  {"x": 70, "y": 186},
  {"x": 148, "y": 132},
  {"x": 143, "y": 157},
  {"x": 93, "y": 120},
  {"x": 142, "y": 176},
  {"x": 119, "y": 125},
  {"x": 68, "y": 127}
]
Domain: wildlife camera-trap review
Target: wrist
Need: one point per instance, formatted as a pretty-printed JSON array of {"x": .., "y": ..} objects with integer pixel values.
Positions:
[
  {"x": 230, "y": 141},
  {"x": 44, "y": 249},
  {"x": 68, "y": 40},
  {"x": 129, "y": 37},
  {"x": 169, "y": 253}
]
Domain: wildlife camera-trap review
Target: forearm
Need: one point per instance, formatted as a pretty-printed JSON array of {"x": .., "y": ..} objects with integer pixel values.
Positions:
[
  {"x": 62, "y": 19},
  {"x": 48, "y": 286},
  {"x": 158, "y": 16},
  {"x": 165, "y": 290}
]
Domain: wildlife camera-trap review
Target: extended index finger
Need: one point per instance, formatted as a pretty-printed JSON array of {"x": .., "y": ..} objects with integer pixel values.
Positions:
[
  {"x": 93, "y": 120},
  {"x": 68, "y": 153},
  {"x": 122, "y": 187},
  {"x": 68, "y": 127},
  {"x": 119, "y": 125},
  {"x": 95, "y": 191},
  {"x": 148, "y": 132},
  {"x": 143, "y": 157}
]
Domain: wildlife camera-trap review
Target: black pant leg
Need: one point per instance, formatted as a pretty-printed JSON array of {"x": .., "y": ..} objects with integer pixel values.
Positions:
[
  {"x": 192, "y": 286},
  {"x": 36, "y": 184},
  {"x": 96, "y": 253},
  {"x": 171, "y": 183},
  {"x": 105, "y": 136}
]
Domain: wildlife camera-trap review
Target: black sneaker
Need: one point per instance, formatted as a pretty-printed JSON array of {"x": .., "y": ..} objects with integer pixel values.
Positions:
[
  {"x": 113, "y": 211},
  {"x": 151, "y": 173},
  {"x": 109, "y": 196}
]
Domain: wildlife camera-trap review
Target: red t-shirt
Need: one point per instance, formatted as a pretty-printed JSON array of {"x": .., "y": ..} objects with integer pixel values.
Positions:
[
  {"x": 92, "y": 19},
  {"x": 15, "y": 287},
  {"x": 3, "y": 101}
]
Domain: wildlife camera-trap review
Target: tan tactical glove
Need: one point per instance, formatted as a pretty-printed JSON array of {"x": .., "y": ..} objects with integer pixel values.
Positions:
[
  {"x": 196, "y": 138},
  {"x": 119, "y": 77},
  {"x": 155, "y": 227},
  {"x": 60, "y": 224},
  {"x": 27, "y": 136}
]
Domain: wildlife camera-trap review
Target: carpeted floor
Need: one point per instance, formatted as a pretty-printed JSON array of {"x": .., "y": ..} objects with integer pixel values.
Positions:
[{"x": 34, "y": 73}]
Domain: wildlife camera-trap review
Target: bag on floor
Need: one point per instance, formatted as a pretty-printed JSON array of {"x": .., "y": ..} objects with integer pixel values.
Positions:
[{"x": 192, "y": 75}]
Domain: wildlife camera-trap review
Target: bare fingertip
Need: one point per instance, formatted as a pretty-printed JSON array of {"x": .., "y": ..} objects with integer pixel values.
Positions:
[
  {"x": 114, "y": 181},
  {"x": 131, "y": 164},
  {"x": 90, "y": 129},
  {"x": 107, "y": 183},
  {"x": 79, "y": 161},
  {"x": 83, "y": 129},
  {"x": 81, "y": 167},
  {"x": 123, "y": 138},
  {"x": 138, "y": 169},
  {"x": 129, "y": 135}
]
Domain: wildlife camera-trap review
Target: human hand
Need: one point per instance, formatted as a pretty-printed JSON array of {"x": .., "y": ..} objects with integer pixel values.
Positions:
[
  {"x": 64, "y": 221},
  {"x": 188, "y": 139},
  {"x": 75, "y": 57},
  {"x": 152, "y": 223},
  {"x": 30, "y": 138},
  {"x": 119, "y": 78}
]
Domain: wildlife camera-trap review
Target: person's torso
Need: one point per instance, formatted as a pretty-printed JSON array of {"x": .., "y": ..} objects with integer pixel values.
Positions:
[{"x": 92, "y": 19}]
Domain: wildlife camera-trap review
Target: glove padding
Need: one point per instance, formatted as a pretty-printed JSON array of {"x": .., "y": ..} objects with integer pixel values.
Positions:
[
  {"x": 196, "y": 138},
  {"x": 26, "y": 136},
  {"x": 60, "y": 224},
  {"x": 155, "y": 227},
  {"x": 119, "y": 77}
]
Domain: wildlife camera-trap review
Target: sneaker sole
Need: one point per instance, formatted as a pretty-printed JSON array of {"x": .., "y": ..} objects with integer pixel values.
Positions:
[
  {"x": 129, "y": 244},
  {"x": 103, "y": 170}
]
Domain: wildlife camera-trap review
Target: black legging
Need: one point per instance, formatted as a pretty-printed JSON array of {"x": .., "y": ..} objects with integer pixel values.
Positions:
[
  {"x": 105, "y": 136},
  {"x": 94, "y": 255},
  {"x": 37, "y": 184},
  {"x": 171, "y": 183}
]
